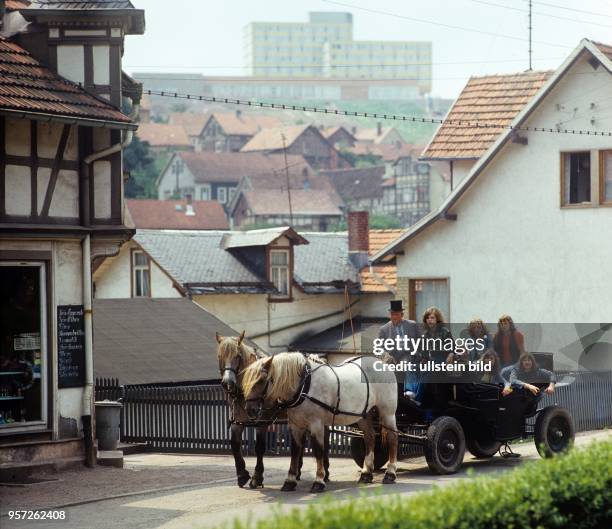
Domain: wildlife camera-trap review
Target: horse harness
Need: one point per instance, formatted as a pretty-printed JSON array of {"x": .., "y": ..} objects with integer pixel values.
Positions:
[{"x": 302, "y": 392}]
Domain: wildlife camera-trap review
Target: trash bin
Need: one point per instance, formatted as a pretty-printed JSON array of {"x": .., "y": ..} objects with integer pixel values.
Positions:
[{"x": 108, "y": 418}]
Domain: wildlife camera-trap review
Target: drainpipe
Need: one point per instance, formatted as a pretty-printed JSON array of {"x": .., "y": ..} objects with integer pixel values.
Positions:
[
  {"x": 88, "y": 422},
  {"x": 88, "y": 434}
]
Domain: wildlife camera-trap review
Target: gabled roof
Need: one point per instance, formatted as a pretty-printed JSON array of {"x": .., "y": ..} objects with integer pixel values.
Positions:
[
  {"x": 244, "y": 124},
  {"x": 380, "y": 278},
  {"x": 171, "y": 215},
  {"x": 195, "y": 257},
  {"x": 304, "y": 202},
  {"x": 230, "y": 167},
  {"x": 29, "y": 89},
  {"x": 373, "y": 135},
  {"x": 114, "y": 8},
  {"x": 152, "y": 340},
  {"x": 328, "y": 132},
  {"x": 199, "y": 262},
  {"x": 263, "y": 237},
  {"x": 324, "y": 260},
  {"x": 192, "y": 122},
  {"x": 388, "y": 152},
  {"x": 601, "y": 52},
  {"x": 273, "y": 139},
  {"x": 357, "y": 183},
  {"x": 163, "y": 135},
  {"x": 493, "y": 99}
]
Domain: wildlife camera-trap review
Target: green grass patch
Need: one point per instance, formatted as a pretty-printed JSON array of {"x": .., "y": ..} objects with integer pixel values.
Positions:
[{"x": 569, "y": 492}]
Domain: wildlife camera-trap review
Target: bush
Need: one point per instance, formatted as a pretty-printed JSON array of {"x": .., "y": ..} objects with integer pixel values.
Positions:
[{"x": 563, "y": 492}]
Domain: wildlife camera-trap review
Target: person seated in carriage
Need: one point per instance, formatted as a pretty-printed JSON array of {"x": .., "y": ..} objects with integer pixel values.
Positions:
[
  {"x": 525, "y": 374},
  {"x": 493, "y": 374}
]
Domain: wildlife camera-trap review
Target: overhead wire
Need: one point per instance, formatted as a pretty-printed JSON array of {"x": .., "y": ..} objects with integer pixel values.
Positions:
[{"x": 374, "y": 115}]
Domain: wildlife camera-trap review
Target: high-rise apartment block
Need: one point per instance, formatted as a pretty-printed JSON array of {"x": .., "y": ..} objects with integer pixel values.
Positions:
[{"x": 324, "y": 47}]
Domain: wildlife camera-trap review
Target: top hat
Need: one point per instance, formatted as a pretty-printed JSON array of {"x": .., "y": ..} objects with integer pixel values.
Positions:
[{"x": 396, "y": 306}]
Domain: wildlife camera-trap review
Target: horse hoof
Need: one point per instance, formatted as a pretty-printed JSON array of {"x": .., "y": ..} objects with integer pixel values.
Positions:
[
  {"x": 366, "y": 478},
  {"x": 289, "y": 486},
  {"x": 317, "y": 487},
  {"x": 243, "y": 478},
  {"x": 389, "y": 478},
  {"x": 256, "y": 482}
]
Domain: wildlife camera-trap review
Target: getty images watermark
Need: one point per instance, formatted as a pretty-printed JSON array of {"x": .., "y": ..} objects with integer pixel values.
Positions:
[{"x": 402, "y": 345}]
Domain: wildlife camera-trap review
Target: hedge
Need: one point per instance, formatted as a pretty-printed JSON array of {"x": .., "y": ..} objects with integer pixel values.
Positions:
[{"x": 573, "y": 491}]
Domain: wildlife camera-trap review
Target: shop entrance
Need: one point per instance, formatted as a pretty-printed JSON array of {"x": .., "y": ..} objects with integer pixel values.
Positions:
[{"x": 22, "y": 344}]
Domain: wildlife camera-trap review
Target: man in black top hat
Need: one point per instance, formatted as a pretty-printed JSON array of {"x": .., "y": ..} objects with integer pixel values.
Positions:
[{"x": 398, "y": 326}]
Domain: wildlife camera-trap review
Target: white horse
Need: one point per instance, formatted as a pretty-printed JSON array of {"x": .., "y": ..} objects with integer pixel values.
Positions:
[{"x": 317, "y": 395}]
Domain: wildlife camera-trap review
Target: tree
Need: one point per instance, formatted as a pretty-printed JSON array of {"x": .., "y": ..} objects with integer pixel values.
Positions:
[{"x": 143, "y": 168}]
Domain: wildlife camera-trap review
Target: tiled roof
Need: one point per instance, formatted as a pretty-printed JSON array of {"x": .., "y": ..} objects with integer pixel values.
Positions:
[
  {"x": 198, "y": 257},
  {"x": 152, "y": 340},
  {"x": 27, "y": 86},
  {"x": 271, "y": 139},
  {"x": 328, "y": 132},
  {"x": 380, "y": 278},
  {"x": 232, "y": 166},
  {"x": 243, "y": 124},
  {"x": 357, "y": 183},
  {"x": 80, "y": 4},
  {"x": 195, "y": 257},
  {"x": 165, "y": 215},
  {"x": 380, "y": 238},
  {"x": 192, "y": 122},
  {"x": 303, "y": 202},
  {"x": 324, "y": 260},
  {"x": 495, "y": 100},
  {"x": 163, "y": 135},
  {"x": 372, "y": 134}
]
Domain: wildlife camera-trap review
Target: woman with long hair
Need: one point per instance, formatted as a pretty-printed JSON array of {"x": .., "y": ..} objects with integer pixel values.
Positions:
[
  {"x": 492, "y": 374},
  {"x": 435, "y": 335},
  {"x": 476, "y": 330}
]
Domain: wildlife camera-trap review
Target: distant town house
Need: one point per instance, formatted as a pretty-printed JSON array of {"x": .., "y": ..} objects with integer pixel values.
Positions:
[
  {"x": 277, "y": 284},
  {"x": 163, "y": 138},
  {"x": 215, "y": 176},
  {"x": 230, "y": 131},
  {"x": 303, "y": 140}
]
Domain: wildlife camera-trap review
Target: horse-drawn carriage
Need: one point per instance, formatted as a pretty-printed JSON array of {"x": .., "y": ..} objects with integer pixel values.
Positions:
[{"x": 475, "y": 416}]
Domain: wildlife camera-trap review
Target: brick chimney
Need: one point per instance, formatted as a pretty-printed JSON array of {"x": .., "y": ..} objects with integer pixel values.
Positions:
[{"x": 358, "y": 238}]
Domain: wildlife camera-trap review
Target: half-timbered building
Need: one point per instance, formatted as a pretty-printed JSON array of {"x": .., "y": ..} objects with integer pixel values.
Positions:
[{"x": 62, "y": 132}]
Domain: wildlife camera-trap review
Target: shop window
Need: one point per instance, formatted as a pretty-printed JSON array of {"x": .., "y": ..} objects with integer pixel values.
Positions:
[
  {"x": 23, "y": 301},
  {"x": 141, "y": 275},
  {"x": 280, "y": 272}
]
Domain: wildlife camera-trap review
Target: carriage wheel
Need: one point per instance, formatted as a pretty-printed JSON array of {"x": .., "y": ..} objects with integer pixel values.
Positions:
[
  {"x": 381, "y": 452},
  {"x": 554, "y": 431},
  {"x": 483, "y": 449},
  {"x": 445, "y": 445}
]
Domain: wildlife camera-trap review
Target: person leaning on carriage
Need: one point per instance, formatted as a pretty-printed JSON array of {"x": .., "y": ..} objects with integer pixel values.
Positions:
[
  {"x": 525, "y": 374},
  {"x": 398, "y": 326}
]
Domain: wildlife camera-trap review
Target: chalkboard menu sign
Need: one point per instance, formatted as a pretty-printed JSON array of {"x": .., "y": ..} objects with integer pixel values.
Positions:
[{"x": 70, "y": 346}]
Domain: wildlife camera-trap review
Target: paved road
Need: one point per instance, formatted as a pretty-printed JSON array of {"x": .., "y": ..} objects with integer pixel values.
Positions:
[{"x": 220, "y": 501}]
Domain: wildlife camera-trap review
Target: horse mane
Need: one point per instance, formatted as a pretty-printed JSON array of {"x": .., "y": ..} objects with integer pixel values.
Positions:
[
  {"x": 229, "y": 348},
  {"x": 284, "y": 375}
]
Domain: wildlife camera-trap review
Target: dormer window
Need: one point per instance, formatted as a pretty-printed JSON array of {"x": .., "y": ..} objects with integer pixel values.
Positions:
[{"x": 280, "y": 273}]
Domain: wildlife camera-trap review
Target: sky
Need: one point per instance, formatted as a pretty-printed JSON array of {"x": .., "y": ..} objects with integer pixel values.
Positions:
[{"x": 205, "y": 36}]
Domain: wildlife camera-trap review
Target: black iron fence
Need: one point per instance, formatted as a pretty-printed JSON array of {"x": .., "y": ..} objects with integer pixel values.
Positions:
[{"x": 195, "y": 418}]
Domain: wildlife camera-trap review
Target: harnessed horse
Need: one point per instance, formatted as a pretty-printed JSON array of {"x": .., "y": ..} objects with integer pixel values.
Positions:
[{"x": 317, "y": 395}]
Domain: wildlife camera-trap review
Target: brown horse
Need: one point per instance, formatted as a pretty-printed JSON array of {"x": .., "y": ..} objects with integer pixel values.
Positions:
[{"x": 234, "y": 357}]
